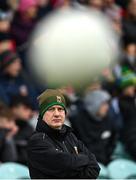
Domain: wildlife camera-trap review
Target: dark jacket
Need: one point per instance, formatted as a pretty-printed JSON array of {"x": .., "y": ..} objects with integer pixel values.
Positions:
[
  {"x": 128, "y": 110},
  {"x": 21, "y": 29},
  {"x": 10, "y": 86},
  {"x": 98, "y": 135},
  {"x": 21, "y": 139},
  {"x": 129, "y": 30},
  {"x": 52, "y": 154},
  {"x": 7, "y": 147}
]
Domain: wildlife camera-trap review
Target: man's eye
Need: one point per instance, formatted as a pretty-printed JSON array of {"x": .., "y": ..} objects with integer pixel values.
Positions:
[
  {"x": 61, "y": 109},
  {"x": 51, "y": 109}
]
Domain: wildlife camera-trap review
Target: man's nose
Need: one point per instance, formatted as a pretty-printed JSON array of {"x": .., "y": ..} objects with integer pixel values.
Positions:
[{"x": 56, "y": 112}]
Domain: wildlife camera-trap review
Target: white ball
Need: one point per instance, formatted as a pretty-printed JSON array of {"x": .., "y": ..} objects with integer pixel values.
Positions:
[{"x": 72, "y": 46}]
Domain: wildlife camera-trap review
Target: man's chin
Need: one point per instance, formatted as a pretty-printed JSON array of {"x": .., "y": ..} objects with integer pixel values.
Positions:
[{"x": 57, "y": 126}]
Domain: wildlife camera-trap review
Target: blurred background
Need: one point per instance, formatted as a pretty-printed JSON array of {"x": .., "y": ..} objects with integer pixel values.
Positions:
[{"x": 103, "y": 116}]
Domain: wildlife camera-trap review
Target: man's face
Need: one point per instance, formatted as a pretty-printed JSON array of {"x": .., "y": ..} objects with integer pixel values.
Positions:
[
  {"x": 14, "y": 68},
  {"x": 129, "y": 91},
  {"x": 4, "y": 26},
  {"x": 132, "y": 8},
  {"x": 32, "y": 12},
  {"x": 55, "y": 116},
  {"x": 103, "y": 110},
  {"x": 22, "y": 112}
]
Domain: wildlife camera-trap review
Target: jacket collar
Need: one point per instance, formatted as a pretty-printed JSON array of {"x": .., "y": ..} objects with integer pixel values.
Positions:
[{"x": 55, "y": 133}]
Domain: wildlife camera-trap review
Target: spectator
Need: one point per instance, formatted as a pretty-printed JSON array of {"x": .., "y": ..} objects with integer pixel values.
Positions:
[
  {"x": 22, "y": 111},
  {"x": 13, "y": 4},
  {"x": 53, "y": 150},
  {"x": 44, "y": 7},
  {"x": 129, "y": 22},
  {"x": 128, "y": 109},
  {"x": 6, "y": 40},
  {"x": 13, "y": 79},
  {"x": 122, "y": 3},
  {"x": 24, "y": 21},
  {"x": 113, "y": 12},
  {"x": 22, "y": 26},
  {"x": 112, "y": 9},
  {"x": 8, "y": 130},
  {"x": 93, "y": 126},
  {"x": 129, "y": 60}
]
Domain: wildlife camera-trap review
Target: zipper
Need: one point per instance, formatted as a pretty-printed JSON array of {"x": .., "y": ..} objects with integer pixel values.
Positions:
[{"x": 65, "y": 147}]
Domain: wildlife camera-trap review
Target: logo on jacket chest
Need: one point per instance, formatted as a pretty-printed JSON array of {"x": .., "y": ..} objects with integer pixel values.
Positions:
[{"x": 106, "y": 134}]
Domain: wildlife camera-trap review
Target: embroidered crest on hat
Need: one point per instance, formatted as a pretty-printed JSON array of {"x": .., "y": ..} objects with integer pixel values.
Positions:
[{"x": 59, "y": 99}]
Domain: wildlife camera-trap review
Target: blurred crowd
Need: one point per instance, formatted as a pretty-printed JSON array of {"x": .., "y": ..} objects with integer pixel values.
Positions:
[{"x": 104, "y": 114}]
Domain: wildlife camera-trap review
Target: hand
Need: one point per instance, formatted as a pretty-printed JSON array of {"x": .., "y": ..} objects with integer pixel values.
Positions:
[{"x": 13, "y": 131}]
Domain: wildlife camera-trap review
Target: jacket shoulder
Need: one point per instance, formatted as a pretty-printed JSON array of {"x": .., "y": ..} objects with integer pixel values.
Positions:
[{"x": 36, "y": 136}]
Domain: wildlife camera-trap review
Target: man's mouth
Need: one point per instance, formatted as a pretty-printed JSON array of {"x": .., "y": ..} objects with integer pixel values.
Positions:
[{"x": 56, "y": 120}]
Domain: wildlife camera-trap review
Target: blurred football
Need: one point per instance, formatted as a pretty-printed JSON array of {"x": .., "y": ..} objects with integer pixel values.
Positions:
[{"x": 72, "y": 46}]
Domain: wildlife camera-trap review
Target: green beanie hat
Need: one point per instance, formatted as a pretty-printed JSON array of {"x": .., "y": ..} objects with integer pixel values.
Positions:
[
  {"x": 128, "y": 78},
  {"x": 49, "y": 98}
]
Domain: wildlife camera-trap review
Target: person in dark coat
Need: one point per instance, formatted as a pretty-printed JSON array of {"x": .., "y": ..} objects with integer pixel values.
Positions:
[
  {"x": 8, "y": 130},
  {"x": 53, "y": 150},
  {"x": 22, "y": 110},
  {"x": 127, "y": 105},
  {"x": 129, "y": 22},
  {"x": 14, "y": 80},
  {"x": 94, "y": 126},
  {"x": 24, "y": 21}
]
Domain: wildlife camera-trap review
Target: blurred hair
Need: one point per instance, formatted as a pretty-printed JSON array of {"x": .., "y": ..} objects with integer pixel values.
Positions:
[
  {"x": 5, "y": 112},
  {"x": 20, "y": 100}
]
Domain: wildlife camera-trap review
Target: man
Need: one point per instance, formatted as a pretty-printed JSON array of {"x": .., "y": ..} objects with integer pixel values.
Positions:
[
  {"x": 22, "y": 110},
  {"x": 8, "y": 130},
  {"x": 127, "y": 104},
  {"x": 94, "y": 126},
  {"x": 14, "y": 80},
  {"x": 53, "y": 150}
]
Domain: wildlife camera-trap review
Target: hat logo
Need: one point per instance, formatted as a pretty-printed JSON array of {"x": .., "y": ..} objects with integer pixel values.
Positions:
[{"x": 59, "y": 99}]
